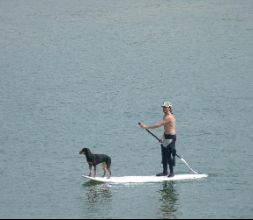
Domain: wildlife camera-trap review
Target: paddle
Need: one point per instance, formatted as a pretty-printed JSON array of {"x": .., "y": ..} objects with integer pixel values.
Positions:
[{"x": 182, "y": 159}]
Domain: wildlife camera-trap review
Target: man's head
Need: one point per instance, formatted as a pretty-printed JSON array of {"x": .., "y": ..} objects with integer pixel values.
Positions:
[{"x": 167, "y": 106}]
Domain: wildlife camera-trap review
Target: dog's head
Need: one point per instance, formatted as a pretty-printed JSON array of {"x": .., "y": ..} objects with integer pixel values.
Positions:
[{"x": 85, "y": 151}]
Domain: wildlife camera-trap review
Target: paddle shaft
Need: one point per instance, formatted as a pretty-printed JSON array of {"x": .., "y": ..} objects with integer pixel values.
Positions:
[{"x": 182, "y": 159}]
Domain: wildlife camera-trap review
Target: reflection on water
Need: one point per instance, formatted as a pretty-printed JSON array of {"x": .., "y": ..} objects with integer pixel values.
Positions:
[
  {"x": 97, "y": 192},
  {"x": 97, "y": 200},
  {"x": 169, "y": 199}
]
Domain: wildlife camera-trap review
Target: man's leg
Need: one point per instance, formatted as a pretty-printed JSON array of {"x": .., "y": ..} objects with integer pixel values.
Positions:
[
  {"x": 164, "y": 151},
  {"x": 171, "y": 160}
]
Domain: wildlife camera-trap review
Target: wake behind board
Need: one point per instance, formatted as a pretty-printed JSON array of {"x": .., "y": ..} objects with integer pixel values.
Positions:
[{"x": 146, "y": 179}]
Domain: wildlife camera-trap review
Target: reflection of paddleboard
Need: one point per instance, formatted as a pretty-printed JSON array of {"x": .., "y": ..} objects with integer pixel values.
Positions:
[{"x": 146, "y": 179}]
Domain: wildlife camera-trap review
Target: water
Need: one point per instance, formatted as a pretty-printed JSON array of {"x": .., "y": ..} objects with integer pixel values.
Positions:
[{"x": 84, "y": 73}]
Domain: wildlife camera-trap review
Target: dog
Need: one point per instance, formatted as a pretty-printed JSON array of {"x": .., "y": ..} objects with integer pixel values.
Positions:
[{"x": 95, "y": 159}]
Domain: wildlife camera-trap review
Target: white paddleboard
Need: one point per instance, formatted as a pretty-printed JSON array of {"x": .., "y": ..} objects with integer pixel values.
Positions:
[{"x": 146, "y": 179}]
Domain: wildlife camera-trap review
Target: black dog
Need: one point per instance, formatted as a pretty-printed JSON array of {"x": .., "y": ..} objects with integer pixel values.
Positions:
[{"x": 95, "y": 159}]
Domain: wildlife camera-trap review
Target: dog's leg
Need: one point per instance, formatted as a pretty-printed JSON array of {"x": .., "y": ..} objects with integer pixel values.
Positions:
[
  {"x": 90, "y": 167},
  {"x": 110, "y": 173},
  {"x": 95, "y": 171},
  {"x": 104, "y": 168},
  {"x": 108, "y": 170},
  {"x": 108, "y": 167}
]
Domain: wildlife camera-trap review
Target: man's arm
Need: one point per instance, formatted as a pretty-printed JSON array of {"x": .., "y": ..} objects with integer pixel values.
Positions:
[{"x": 156, "y": 125}]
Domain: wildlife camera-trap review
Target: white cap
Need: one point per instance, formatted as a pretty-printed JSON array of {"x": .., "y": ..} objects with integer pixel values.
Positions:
[{"x": 167, "y": 104}]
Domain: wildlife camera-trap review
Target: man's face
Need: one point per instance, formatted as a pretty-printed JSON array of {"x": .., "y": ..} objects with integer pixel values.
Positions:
[{"x": 166, "y": 109}]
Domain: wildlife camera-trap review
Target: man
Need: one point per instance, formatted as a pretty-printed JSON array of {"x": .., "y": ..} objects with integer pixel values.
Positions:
[{"x": 168, "y": 141}]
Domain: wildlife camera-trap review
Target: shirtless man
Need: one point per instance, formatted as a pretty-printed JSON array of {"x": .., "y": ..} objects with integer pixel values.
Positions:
[{"x": 168, "y": 141}]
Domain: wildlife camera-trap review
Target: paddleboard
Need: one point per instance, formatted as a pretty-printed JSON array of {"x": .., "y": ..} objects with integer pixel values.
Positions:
[{"x": 146, "y": 179}]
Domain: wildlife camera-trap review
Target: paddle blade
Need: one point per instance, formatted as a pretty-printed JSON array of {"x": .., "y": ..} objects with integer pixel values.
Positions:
[{"x": 188, "y": 165}]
